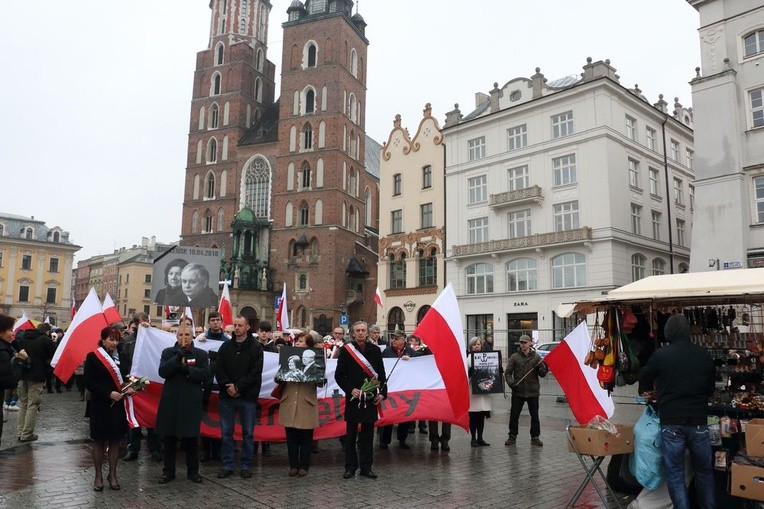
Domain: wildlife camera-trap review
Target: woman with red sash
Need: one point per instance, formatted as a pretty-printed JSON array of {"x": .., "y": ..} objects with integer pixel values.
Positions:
[{"x": 108, "y": 419}]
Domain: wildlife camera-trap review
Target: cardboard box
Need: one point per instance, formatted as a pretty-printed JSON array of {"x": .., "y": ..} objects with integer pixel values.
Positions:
[
  {"x": 597, "y": 442},
  {"x": 754, "y": 437},
  {"x": 747, "y": 482}
]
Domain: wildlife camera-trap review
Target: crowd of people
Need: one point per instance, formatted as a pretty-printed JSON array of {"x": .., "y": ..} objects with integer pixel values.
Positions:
[{"x": 234, "y": 370}]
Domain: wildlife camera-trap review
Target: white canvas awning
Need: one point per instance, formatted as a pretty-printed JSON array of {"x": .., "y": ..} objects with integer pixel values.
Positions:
[{"x": 742, "y": 286}]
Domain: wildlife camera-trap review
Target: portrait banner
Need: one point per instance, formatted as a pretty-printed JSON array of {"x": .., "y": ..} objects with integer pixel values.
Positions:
[
  {"x": 301, "y": 365},
  {"x": 186, "y": 276},
  {"x": 487, "y": 375}
]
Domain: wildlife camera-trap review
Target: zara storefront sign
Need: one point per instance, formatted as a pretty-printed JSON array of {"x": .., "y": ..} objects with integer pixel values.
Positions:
[{"x": 520, "y": 304}]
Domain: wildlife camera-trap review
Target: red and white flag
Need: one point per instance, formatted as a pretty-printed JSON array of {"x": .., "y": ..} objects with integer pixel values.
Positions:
[
  {"x": 578, "y": 381},
  {"x": 74, "y": 307},
  {"x": 81, "y": 337},
  {"x": 110, "y": 310},
  {"x": 378, "y": 298},
  {"x": 282, "y": 315},
  {"x": 441, "y": 329},
  {"x": 23, "y": 323},
  {"x": 224, "y": 308}
]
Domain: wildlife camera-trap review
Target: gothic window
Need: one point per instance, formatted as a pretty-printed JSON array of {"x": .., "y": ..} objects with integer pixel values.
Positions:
[
  {"x": 304, "y": 214},
  {"x": 258, "y": 90},
  {"x": 311, "y": 55},
  {"x": 307, "y": 137},
  {"x": 209, "y": 187},
  {"x": 217, "y": 84},
  {"x": 310, "y": 101},
  {"x": 214, "y": 116},
  {"x": 257, "y": 186},
  {"x": 259, "y": 61},
  {"x": 212, "y": 151},
  {"x": 352, "y": 219},
  {"x": 352, "y": 183},
  {"x": 354, "y": 62},
  {"x": 219, "y": 52},
  {"x": 195, "y": 222},
  {"x": 208, "y": 221},
  {"x": 303, "y": 282},
  {"x": 305, "y": 179}
]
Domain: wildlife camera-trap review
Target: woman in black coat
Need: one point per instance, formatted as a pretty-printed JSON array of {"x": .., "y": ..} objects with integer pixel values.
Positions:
[
  {"x": 185, "y": 370},
  {"x": 108, "y": 422}
]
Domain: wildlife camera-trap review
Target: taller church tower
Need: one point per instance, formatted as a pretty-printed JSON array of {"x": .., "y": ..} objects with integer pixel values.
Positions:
[{"x": 296, "y": 200}]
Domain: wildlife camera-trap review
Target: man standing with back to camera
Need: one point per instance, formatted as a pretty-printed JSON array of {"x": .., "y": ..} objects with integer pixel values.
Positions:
[{"x": 683, "y": 375}]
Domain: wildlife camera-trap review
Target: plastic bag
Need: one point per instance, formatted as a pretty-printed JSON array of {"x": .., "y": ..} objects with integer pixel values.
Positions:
[
  {"x": 599, "y": 422},
  {"x": 647, "y": 461}
]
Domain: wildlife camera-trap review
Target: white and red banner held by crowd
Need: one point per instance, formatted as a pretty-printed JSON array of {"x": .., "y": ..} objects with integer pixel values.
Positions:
[
  {"x": 415, "y": 392},
  {"x": 578, "y": 381}
]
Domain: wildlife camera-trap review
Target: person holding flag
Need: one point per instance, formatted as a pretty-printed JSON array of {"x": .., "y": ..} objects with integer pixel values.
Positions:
[{"x": 359, "y": 367}]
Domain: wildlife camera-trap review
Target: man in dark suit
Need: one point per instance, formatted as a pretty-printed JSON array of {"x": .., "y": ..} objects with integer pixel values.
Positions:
[
  {"x": 311, "y": 371},
  {"x": 358, "y": 361},
  {"x": 195, "y": 283}
]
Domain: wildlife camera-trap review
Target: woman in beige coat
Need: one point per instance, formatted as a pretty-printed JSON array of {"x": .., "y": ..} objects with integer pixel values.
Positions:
[{"x": 298, "y": 413}]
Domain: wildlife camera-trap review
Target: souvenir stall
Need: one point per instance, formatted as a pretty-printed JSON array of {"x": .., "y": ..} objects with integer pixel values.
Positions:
[{"x": 726, "y": 313}]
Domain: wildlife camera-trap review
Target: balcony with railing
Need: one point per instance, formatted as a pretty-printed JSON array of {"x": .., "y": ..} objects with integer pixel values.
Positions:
[
  {"x": 530, "y": 194},
  {"x": 540, "y": 240}
]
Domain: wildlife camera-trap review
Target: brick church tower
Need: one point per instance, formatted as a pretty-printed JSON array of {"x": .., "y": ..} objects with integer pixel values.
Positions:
[{"x": 290, "y": 195}]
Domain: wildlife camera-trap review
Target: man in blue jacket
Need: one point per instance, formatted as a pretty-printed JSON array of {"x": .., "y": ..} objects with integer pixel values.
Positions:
[{"x": 683, "y": 375}]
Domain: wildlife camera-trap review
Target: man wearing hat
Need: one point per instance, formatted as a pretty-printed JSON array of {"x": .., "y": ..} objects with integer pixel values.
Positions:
[
  {"x": 398, "y": 349},
  {"x": 524, "y": 368},
  {"x": 683, "y": 375}
]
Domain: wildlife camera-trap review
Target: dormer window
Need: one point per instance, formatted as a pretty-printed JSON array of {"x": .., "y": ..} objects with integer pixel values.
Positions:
[{"x": 317, "y": 6}]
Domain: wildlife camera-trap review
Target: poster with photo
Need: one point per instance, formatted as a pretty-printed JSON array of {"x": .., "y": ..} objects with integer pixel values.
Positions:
[
  {"x": 186, "y": 276},
  {"x": 487, "y": 375},
  {"x": 301, "y": 365}
]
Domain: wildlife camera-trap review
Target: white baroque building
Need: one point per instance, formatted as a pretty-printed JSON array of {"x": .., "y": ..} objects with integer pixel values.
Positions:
[
  {"x": 562, "y": 191},
  {"x": 728, "y": 95}
]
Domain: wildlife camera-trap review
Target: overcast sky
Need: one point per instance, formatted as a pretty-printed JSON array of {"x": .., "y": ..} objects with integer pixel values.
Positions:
[{"x": 96, "y": 94}]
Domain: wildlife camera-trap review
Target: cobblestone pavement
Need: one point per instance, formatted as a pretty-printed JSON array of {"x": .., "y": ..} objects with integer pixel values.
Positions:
[{"x": 56, "y": 471}]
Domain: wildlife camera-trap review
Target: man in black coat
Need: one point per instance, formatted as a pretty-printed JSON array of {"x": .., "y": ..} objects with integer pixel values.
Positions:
[
  {"x": 40, "y": 349},
  {"x": 358, "y": 361},
  {"x": 683, "y": 375}
]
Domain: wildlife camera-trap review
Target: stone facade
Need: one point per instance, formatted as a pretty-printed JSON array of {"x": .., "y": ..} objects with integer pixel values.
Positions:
[{"x": 728, "y": 96}]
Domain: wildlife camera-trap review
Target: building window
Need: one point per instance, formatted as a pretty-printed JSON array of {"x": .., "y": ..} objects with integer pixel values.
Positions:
[
  {"x": 147, "y": 293},
  {"x": 521, "y": 275},
  {"x": 53, "y": 265},
  {"x": 478, "y": 230},
  {"x": 428, "y": 268},
  {"x": 637, "y": 267},
  {"x": 655, "y": 182},
  {"x": 680, "y": 232},
  {"x": 397, "y": 184},
  {"x": 56, "y": 236},
  {"x": 758, "y": 184},
  {"x": 147, "y": 279},
  {"x": 562, "y": 124},
  {"x": 311, "y": 55},
  {"x": 212, "y": 150},
  {"x": 310, "y": 101},
  {"x": 209, "y": 191},
  {"x": 396, "y": 317},
  {"x": 26, "y": 262},
  {"x": 674, "y": 150},
  {"x": 307, "y": 137},
  {"x": 476, "y": 148},
  {"x": 50, "y": 296},
  {"x": 305, "y": 176},
  {"x": 564, "y": 170},
  {"x": 678, "y": 192},
  {"x": 566, "y": 216},
  {"x": 519, "y": 223},
  {"x": 517, "y": 137},
  {"x": 28, "y": 233},
  {"x": 1, "y": 258},
  {"x": 479, "y": 278},
  {"x": 304, "y": 214},
  {"x": 691, "y": 194},
  {"x": 426, "y": 177},
  {"x": 217, "y": 84},
  {"x": 656, "y": 220},
  {"x": 568, "y": 270},
  {"x": 208, "y": 222},
  {"x": 757, "y": 107},
  {"x": 257, "y": 187},
  {"x": 754, "y": 43},
  {"x": 659, "y": 267},
  {"x": 478, "y": 189},
  {"x": 425, "y": 213},
  {"x": 631, "y": 128},
  {"x": 398, "y": 272},
  {"x": 302, "y": 282},
  {"x": 633, "y": 173},
  {"x": 636, "y": 219},
  {"x": 650, "y": 134},
  {"x": 518, "y": 178},
  {"x": 214, "y": 116},
  {"x": 23, "y": 293},
  {"x": 690, "y": 158},
  {"x": 219, "y": 52},
  {"x": 396, "y": 221}
]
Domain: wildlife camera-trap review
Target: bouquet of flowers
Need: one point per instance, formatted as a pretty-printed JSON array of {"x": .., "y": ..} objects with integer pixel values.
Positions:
[
  {"x": 369, "y": 390},
  {"x": 138, "y": 384}
]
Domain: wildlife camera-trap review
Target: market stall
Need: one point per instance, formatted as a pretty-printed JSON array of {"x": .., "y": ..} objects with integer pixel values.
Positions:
[{"x": 726, "y": 312}]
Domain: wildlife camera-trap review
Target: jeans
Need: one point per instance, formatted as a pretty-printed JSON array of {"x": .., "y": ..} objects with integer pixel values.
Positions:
[
  {"x": 675, "y": 438},
  {"x": 514, "y": 415},
  {"x": 227, "y": 408}
]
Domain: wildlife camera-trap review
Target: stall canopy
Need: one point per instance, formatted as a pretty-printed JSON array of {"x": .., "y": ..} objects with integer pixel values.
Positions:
[{"x": 742, "y": 286}]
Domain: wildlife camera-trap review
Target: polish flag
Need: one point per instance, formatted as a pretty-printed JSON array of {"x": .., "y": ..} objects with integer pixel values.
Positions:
[
  {"x": 441, "y": 329},
  {"x": 378, "y": 298},
  {"x": 578, "y": 381},
  {"x": 282, "y": 315},
  {"x": 23, "y": 323},
  {"x": 81, "y": 337},
  {"x": 110, "y": 310},
  {"x": 224, "y": 308},
  {"x": 188, "y": 315}
]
